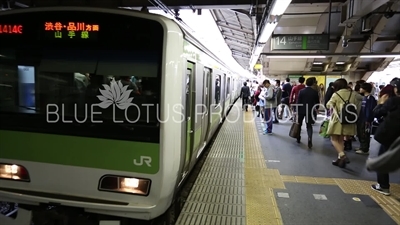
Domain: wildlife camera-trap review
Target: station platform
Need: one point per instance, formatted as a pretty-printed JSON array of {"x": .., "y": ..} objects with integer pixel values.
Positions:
[{"x": 253, "y": 179}]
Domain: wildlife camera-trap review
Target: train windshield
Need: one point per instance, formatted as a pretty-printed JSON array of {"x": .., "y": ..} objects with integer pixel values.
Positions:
[{"x": 81, "y": 73}]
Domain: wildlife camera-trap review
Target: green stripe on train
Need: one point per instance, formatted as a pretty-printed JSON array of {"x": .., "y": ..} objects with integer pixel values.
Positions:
[{"x": 80, "y": 151}]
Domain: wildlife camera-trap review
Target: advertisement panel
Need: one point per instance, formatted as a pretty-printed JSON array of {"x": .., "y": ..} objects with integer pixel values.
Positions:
[
  {"x": 320, "y": 79},
  {"x": 294, "y": 78}
]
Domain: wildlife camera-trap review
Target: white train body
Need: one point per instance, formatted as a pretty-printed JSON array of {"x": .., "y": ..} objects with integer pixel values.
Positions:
[{"x": 85, "y": 166}]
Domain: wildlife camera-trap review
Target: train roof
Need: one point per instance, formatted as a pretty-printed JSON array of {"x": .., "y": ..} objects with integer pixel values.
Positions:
[{"x": 190, "y": 37}]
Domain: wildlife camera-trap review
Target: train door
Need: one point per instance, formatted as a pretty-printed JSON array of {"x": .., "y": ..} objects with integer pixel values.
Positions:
[
  {"x": 189, "y": 114},
  {"x": 223, "y": 93},
  {"x": 206, "y": 103},
  {"x": 199, "y": 113},
  {"x": 228, "y": 91}
]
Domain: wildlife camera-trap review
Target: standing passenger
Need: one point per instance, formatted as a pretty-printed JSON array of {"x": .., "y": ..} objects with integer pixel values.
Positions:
[
  {"x": 261, "y": 101},
  {"x": 328, "y": 95},
  {"x": 278, "y": 100},
  {"x": 295, "y": 92},
  {"x": 366, "y": 118},
  {"x": 257, "y": 100},
  {"x": 308, "y": 102},
  {"x": 286, "y": 91},
  {"x": 337, "y": 130},
  {"x": 245, "y": 95},
  {"x": 270, "y": 103},
  {"x": 385, "y": 105}
]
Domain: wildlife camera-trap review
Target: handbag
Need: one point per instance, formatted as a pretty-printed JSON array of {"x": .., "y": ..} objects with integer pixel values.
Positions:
[
  {"x": 388, "y": 161},
  {"x": 323, "y": 129},
  {"x": 295, "y": 130}
]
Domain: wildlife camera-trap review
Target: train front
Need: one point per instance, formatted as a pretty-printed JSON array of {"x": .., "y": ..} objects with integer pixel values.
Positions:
[{"x": 80, "y": 95}]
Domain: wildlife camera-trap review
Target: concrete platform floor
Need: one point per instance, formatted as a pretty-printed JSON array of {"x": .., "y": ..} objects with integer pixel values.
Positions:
[{"x": 316, "y": 192}]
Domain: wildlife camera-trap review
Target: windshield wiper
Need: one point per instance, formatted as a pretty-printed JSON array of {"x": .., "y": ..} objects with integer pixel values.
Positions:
[
  {"x": 28, "y": 108},
  {"x": 105, "y": 121}
]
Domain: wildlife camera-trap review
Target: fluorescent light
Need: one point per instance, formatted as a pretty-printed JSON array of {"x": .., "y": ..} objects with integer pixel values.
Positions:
[
  {"x": 317, "y": 63},
  {"x": 256, "y": 54},
  {"x": 280, "y": 8},
  {"x": 257, "y": 51},
  {"x": 267, "y": 31},
  {"x": 253, "y": 61},
  {"x": 379, "y": 56},
  {"x": 340, "y": 63},
  {"x": 296, "y": 56}
]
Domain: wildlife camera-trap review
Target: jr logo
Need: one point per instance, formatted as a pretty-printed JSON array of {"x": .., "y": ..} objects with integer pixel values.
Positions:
[{"x": 143, "y": 159}]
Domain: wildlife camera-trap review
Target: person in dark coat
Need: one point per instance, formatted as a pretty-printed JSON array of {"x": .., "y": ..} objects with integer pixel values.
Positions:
[
  {"x": 329, "y": 93},
  {"x": 386, "y": 104},
  {"x": 308, "y": 104},
  {"x": 245, "y": 95}
]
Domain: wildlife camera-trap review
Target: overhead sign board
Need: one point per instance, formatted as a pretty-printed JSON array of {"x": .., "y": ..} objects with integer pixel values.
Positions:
[
  {"x": 71, "y": 30},
  {"x": 293, "y": 42},
  {"x": 294, "y": 77}
]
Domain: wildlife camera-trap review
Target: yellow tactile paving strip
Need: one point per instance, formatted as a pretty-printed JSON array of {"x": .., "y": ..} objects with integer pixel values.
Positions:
[{"x": 261, "y": 206}]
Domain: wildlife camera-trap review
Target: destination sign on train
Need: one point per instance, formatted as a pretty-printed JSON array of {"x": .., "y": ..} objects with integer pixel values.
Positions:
[
  {"x": 11, "y": 29},
  {"x": 71, "y": 30}
]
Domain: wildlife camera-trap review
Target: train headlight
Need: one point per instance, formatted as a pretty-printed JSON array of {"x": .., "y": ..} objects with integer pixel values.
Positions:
[
  {"x": 127, "y": 185},
  {"x": 14, "y": 172}
]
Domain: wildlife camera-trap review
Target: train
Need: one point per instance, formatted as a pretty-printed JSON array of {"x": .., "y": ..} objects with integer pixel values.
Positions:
[{"x": 104, "y": 110}]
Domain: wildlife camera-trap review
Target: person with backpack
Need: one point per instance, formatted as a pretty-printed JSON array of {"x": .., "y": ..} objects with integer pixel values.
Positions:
[
  {"x": 388, "y": 108},
  {"x": 269, "y": 98},
  {"x": 343, "y": 122}
]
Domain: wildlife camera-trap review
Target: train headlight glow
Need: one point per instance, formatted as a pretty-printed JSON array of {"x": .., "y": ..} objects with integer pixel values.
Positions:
[
  {"x": 127, "y": 185},
  {"x": 130, "y": 182},
  {"x": 14, "y": 172}
]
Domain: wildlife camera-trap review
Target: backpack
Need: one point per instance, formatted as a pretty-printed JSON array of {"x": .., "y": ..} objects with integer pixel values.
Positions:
[
  {"x": 348, "y": 113},
  {"x": 387, "y": 131}
]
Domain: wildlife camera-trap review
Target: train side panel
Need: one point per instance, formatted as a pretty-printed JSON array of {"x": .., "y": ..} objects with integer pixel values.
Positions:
[{"x": 51, "y": 180}]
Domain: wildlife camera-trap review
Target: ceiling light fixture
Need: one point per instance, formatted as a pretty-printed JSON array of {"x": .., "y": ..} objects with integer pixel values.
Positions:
[
  {"x": 280, "y": 7},
  {"x": 379, "y": 56},
  {"x": 296, "y": 56}
]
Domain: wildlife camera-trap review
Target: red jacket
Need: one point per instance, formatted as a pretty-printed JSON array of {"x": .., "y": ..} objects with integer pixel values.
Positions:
[
  {"x": 295, "y": 92},
  {"x": 256, "y": 98}
]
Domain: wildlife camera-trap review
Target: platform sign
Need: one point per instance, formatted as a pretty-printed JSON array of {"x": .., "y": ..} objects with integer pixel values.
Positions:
[
  {"x": 294, "y": 77},
  {"x": 293, "y": 42}
]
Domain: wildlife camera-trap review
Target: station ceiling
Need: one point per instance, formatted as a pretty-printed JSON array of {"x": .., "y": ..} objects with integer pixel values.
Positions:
[
  {"x": 239, "y": 21},
  {"x": 383, "y": 37},
  {"x": 173, "y": 4}
]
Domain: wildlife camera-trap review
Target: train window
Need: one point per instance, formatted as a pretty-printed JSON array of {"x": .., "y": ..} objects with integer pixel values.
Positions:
[
  {"x": 188, "y": 75},
  {"x": 217, "y": 93},
  {"x": 80, "y": 93},
  {"x": 228, "y": 86}
]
